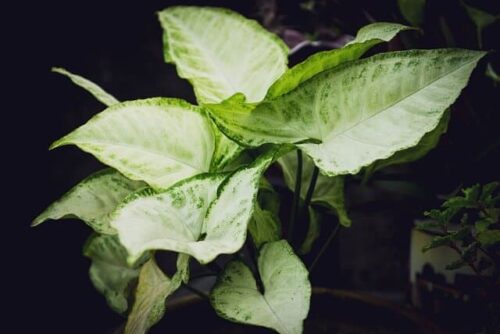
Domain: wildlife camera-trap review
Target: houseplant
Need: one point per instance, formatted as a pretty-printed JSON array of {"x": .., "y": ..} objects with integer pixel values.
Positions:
[{"x": 190, "y": 178}]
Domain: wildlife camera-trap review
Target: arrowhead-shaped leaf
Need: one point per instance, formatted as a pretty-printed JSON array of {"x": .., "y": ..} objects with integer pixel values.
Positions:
[
  {"x": 92, "y": 200},
  {"x": 99, "y": 93},
  {"x": 222, "y": 53},
  {"x": 329, "y": 190},
  {"x": 354, "y": 114},
  {"x": 366, "y": 38},
  {"x": 287, "y": 291},
  {"x": 152, "y": 290},
  {"x": 109, "y": 272},
  {"x": 204, "y": 216},
  {"x": 159, "y": 140}
]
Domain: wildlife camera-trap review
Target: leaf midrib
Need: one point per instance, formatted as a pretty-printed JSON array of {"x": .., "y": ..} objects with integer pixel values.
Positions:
[{"x": 142, "y": 149}]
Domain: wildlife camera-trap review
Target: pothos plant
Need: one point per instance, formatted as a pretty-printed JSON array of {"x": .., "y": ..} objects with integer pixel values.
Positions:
[{"x": 179, "y": 181}]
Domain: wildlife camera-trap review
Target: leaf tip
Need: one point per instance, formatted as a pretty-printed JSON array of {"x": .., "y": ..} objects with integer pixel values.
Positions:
[{"x": 57, "y": 143}]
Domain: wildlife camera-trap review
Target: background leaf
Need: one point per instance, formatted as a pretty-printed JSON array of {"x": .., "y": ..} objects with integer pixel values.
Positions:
[
  {"x": 109, "y": 272},
  {"x": 153, "y": 289},
  {"x": 412, "y": 10},
  {"x": 265, "y": 225},
  {"x": 99, "y": 93}
]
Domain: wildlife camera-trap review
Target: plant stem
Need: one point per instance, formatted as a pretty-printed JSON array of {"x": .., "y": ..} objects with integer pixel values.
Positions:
[
  {"x": 310, "y": 190},
  {"x": 324, "y": 247},
  {"x": 252, "y": 252},
  {"x": 197, "y": 292},
  {"x": 296, "y": 197},
  {"x": 203, "y": 275}
]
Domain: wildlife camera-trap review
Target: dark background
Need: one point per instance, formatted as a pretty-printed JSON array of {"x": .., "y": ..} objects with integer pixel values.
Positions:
[{"x": 118, "y": 45}]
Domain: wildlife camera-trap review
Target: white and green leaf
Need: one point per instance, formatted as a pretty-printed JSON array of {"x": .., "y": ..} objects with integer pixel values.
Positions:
[
  {"x": 285, "y": 302},
  {"x": 92, "y": 200},
  {"x": 221, "y": 52},
  {"x": 160, "y": 140},
  {"x": 329, "y": 191},
  {"x": 428, "y": 142},
  {"x": 100, "y": 94},
  {"x": 365, "y": 110},
  {"x": 204, "y": 216},
  {"x": 109, "y": 272},
  {"x": 366, "y": 38},
  {"x": 152, "y": 291}
]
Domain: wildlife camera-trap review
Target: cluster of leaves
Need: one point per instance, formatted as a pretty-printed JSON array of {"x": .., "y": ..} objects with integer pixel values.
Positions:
[
  {"x": 470, "y": 224},
  {"x": 180, "y": 177}
]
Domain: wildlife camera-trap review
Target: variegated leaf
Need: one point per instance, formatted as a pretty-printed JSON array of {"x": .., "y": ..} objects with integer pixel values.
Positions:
[
  {"x": 92, "y": 200},
  {"x": 221, "y": 53},
  {"x": 348, "y": 117},
  {"x": 204, "y": 216},
  {"x": 152, "y": 290},
  {"x": 424, "y": 146},
  {"x": 366, "y": 38},
  {"x": 160, "y": 140},
  {"x": 284, "y": 304}
]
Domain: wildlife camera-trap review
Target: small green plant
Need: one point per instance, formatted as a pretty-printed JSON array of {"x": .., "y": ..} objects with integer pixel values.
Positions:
[
  {"x": 190, "y": 178},
  {"x": 469, "y": 223}
]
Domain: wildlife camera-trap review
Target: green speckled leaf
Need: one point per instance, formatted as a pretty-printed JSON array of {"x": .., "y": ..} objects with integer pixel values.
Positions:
[
  {"x": 225, "y": 149},
  {"x": 153, "y": 289},
  {"x": 412, "y": 10},
  {"x": 362, "y": 111},
  {"x": 109, "y": 272},
  {"x": 265, "y": 225},
  {"x": 425, "y": 145},
  {"x": 99, "y": 93},
  {"x": 366, "y": 38},
  {"x": 329, "y": 191},
  {"x": 287, "y": 291},
  {"x": 221, "y": 53},
  {"x": 92, "y": 200},
  {"x": 204, "y": 216},
  {"x": 160, "y": 140}
]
